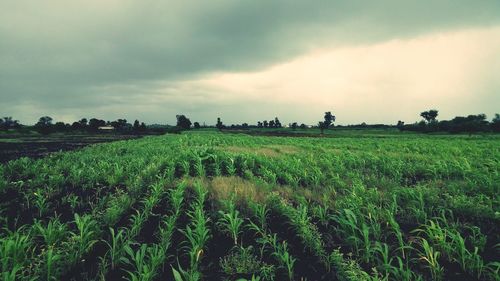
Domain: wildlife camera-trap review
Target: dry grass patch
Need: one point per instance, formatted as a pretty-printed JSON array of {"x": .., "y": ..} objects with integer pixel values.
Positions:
[
  {"x": 222, "y": 188},
  {"x": 274, "y": 150}
]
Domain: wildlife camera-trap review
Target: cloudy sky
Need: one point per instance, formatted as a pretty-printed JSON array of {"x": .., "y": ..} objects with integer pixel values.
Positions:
[{"x": 366, "y": 61}]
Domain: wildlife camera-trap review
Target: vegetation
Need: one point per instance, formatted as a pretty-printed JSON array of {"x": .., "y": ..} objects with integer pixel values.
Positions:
[{"x": 213, "y": 206}]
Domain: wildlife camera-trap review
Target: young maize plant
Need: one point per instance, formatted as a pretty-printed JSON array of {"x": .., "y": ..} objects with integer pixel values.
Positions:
[
  {"x": 123, "y": 239},
  {"x": 84, "y": 239},
  {"x": 41, "y": 202},
  {"x": 116, "y": 246},
  {"x": 197, "y": 232},
  {"x": 278, "y": 250},
  {"x": 15, "y": 249},
  {"x": 144, "y": 262},
  {"x": 53, "y": 233},
  {"x": 231, "y": 222},
  {"x": 431, "y": 259},
  {"x": 51, "y": 263}
]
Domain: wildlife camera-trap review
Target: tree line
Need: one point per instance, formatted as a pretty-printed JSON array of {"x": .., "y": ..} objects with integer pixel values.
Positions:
[
  {"x": 428, "y": 124},
  {"x": 460, "y": 124},
  {"x": 46, "y": 125}
]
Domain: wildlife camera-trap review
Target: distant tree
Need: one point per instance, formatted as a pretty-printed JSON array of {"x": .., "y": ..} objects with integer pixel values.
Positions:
[
  {"x": 277, "y": 123},
  {"x": 429, "y": 116},
  {"x": 400, "y": 125},
  {"x": 266, "y": 124},
  {"x": 196, "y": 125},
  {"x": 44, "y": 125},
  {"x": 136, "y": 125},
  {"x": 219, "y": 124},
  {"x": 272, "y": 124},
  {"x": 183, "y": 122},
  {"x": 495, "y": 123},
  {"x": 83, "y": 122},
  {"x": 7, "y": 123},
  {"x": 469, "y": 124},
  {"x": 44, "y": 121},
  {"x": 121, "y": 125},
  {"x": 259, "y": 124},
  {"x": 61, "y": 127},
  {"x": 303, "y": 126},
  {"x": 95, "y": 123},
  {"x": 293, "y": 125},
  {"x": 328, "y": 120},
  {"x": 143, "y": 127}
]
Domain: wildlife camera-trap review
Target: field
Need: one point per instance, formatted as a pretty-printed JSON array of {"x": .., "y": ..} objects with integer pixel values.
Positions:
[
  {"x": 13, "y": 145},
  {"x": 212, "y": 206}
]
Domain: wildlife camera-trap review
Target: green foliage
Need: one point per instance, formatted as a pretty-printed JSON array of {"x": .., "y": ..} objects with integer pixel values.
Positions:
[{"x": 364, "y": 206}]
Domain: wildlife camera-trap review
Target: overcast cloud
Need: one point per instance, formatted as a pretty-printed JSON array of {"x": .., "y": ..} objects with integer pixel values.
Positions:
[{"x": 373, "y": 61}]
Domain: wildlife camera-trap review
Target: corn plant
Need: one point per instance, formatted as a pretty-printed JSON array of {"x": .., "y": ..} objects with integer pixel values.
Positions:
[
  {"x": 41, "y": 202},
  {"x": 116, "y": 246},
  {"x": 261, "y": 213},
  {"x": 14, "y": 252},
  {"x": 197, "y": 234},
  {"x": 431, "y": 259},
  {"x": 144, "y": 262},
  {"x": 185, "y": 275},
  {"x": 278, "y": 250},
  {"x": 51, "y": 264},
  {"x": 281, "y": 253},
  {"x": 231, "y": 222},
  {"x": 53, "y": 232},
  {"x": 84, "y": 238}
]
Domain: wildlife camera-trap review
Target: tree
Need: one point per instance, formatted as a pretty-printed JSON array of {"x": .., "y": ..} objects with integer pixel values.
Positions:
[
  {"x": 183, "y": 122},
  {"x": 293, "y": 125},
  {"x": 272, "y": 124},
  {"x": 83, "y": 122},
  {"x": 219, "y": 124},
  {"x": 495, "y": 123},
  {"x": 44, "y": 121},
  {"x": 196, "y": 125},
  {"x": 277, "y": 123},
  {"x": 266, "y": 124},
  {"x": 121, "y": 125},
  {"x": 95, "y": 123},
  {"x": 400, "y": 125},
  {"x": 136, "y": 125},
  {"x": 328, "y": 120},
  {"x": 259, "y": 124},
  {"x": 61, "y": 127},
  {"x": 429, "y": 116},
  {"x": 44, "y": 124},
  {"x": 7, "y": 123},
  {"x": 303, "y": 126},
  {"x": 469, "y": 124}
]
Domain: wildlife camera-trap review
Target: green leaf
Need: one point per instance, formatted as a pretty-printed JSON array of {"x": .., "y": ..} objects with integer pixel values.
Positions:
[{"x": 177, "y": 275}]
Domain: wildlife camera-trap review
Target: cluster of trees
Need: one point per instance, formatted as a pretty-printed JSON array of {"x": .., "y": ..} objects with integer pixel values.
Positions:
[
  {"x": 46, "y": 125},
  {"x": 7, "y": 123},
  {"x": 295, "y": 125},
  {"x": 270, "y": 124},
  {"x": 460, "y": 124},
  {"x": 184, "y": 123}
]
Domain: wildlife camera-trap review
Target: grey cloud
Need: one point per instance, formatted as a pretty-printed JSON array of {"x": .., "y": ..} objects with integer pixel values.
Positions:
[{"x": 60, "y": 54}]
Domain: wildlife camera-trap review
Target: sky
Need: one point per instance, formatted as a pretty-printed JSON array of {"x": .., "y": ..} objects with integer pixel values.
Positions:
[{"x": 244, "y": 61}]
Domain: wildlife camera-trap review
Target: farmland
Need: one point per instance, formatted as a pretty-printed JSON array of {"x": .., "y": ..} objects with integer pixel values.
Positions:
[
  {"x": 14, "y": 145},
  {"x": 212, "y": 206}
]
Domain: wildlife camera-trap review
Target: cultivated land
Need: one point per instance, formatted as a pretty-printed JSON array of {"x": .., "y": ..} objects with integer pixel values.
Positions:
[
  {"x": 13, "y": 146},
  {"x": 217, "y": 206}
]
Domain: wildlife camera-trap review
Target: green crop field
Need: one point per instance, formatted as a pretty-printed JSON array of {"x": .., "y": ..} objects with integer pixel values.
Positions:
[{"x": 212, "y": 206}]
